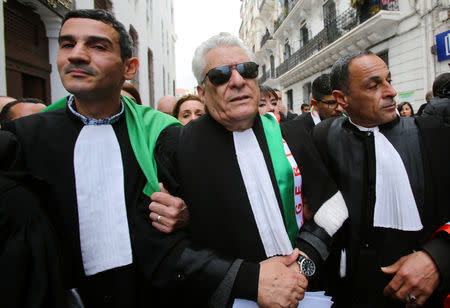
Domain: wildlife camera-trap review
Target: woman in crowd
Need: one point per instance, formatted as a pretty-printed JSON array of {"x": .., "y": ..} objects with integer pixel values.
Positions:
[
  {"x": 268, "y": 101},
  {"x": 405, "y": 109},
  {"x": 188, "y": 108}
]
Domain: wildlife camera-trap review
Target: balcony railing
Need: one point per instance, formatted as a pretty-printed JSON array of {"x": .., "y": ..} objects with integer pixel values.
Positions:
[
  {"x": 334, "y": 29},
  {"x": 265, "y": 38},
  {"x": 266, "y": 75},
  {"x": 285, "y": 14}
]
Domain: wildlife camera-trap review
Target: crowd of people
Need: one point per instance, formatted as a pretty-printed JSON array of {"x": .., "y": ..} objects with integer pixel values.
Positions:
[{"x": 225, "y": 195}]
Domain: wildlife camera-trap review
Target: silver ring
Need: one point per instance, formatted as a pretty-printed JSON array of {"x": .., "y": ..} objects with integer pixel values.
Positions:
[
  {"x": 412, "y": 298},
  {"x": 158, "y": 218}
]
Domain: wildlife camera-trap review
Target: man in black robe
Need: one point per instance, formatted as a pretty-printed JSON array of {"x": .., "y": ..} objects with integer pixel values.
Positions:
[
  {"x": 394, "y": 175},
  {"x": 323, "y": 105},
  {"x": 94, "y": 151},
  {"x": 231, "y": 167}
]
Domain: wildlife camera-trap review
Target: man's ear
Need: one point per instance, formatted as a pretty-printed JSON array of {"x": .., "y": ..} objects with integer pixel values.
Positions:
[
  {"x": 313, "y": 102},
  {"x": 201, "y": 93},
  {"x": 131, "y": 67},
  {"x": 340, "y": 97}
]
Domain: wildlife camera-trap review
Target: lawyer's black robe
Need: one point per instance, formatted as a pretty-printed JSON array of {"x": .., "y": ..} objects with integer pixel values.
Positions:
[
  {"x": 349, "y": 155},
  {"x": 198, "y": 163},
  {"x": 48, "y": 141}
]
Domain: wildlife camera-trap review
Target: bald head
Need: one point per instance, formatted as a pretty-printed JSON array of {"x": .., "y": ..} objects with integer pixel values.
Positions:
[
  {"x": 166, "y": 103},
  {"x": 5, "y": 100}
]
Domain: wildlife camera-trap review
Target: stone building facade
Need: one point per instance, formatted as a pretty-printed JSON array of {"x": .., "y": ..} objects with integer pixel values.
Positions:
[{"x": 297, "y": 40}]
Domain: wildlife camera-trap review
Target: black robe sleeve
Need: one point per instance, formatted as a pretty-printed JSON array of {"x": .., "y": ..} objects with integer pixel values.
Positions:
[{"x": 29, "y": 257}]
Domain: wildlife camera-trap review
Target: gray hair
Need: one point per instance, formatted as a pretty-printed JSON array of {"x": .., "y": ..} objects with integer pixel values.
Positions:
[
  {"x": 339, "y": 79},
  {"x": 221, "y": 39}
]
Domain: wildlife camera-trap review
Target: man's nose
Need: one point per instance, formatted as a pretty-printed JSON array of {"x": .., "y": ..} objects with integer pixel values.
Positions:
[
  {"x": 236, "y": 79},
  {"x": 390, "y": 91},
  {"x": 79, "y": 53}
]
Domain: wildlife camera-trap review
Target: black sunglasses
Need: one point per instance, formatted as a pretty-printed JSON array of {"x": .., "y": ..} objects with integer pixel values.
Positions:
[{"x": 221, "y": 74}]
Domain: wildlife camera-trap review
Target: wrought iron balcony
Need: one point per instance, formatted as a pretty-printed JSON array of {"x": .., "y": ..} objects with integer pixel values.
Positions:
[
  {"x": 334, "y": 29},
  {"x": 268, "y": 74},
  {"x": 285, "y": 13}
]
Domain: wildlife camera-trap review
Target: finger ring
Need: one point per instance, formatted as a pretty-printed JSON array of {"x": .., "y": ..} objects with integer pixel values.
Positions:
[
  {"x": 412, "y": 298},
  {"x": 158, "y": 218}
]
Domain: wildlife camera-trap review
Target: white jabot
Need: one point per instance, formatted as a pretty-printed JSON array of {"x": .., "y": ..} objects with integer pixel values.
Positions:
[
  {"x": 261, "y": 194},
  {"x": 395, "y": 206},
  {"x": 104, "y": 234}
]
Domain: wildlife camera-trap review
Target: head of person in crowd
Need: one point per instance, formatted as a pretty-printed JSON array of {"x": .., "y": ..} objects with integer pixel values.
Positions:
[
  {"x": 281, "y": 107},
  {"x": 322, "y": 98},
  {"x": 19, "y": 108},
  {"x": 268, "y": 100},
  {"x": 166, "y": 104},
  {"x": 5, "y": 100},
  {"x": 304, "y": 108},
  {"x": 227, "y": 81},
  {"x": 188, "y": 108},
  {"x": 361, "y": 84},
  {"x": 405, "y": 109},
  {"x": 130, "y": 91},
  {"x": 428, "y": 96},
  {"x": 441, "y": 86},
  {"x": 94, "y": 60}
]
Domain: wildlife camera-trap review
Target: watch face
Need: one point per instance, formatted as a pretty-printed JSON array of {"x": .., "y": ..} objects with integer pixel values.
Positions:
[{"x": 308, "y": 267}]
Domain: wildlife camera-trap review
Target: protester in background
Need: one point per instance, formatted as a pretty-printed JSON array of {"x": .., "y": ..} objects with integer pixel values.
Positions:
[
  {"x": 305, "y": 108},
  {"x": 129, "y": 90},
  {"x": 323, "y": 105},
  {"x": 405, "y": 109},
  {"x": 440, "y": 104},
  {"x": 268, "y": 101},
  {"x": 19, "y": 108},
  {"x": 428, "y": 98},
  {"x": 188, "y": 108},
  {"x": 396, "y": 192},
  {"x": 166, "y": 103}
]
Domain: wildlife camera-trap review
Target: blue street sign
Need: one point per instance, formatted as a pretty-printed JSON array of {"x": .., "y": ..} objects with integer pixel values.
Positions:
[{"x": 443, "y": 45}]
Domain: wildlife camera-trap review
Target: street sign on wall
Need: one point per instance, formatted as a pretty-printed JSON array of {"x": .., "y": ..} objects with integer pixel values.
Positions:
[{"x": 443, "y": 45}]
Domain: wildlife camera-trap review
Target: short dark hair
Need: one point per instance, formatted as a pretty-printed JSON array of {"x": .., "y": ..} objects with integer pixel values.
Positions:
[
  {"x": 125, "y": 42},
  {"x": 266, "y": 90},
  {"x": 181, "y": 100},
  {"x": 441, "y": 86},
  {"x": 339, "y": 79},
  {"x": 321, "y": 87},
  {"x": 128, "y": 87},
  {"x": 6, "y": 115}
]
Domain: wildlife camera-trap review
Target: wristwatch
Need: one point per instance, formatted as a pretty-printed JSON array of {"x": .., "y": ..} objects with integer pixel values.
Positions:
[{"x": 307, "y": 266}]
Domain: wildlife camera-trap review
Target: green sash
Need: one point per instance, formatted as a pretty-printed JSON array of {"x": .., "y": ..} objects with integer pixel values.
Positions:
[
  {"x": 283, "y": 173},
  {"x": 144, "y": 125}
]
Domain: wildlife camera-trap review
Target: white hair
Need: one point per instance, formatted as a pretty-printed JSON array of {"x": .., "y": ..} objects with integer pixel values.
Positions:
[{"x": 221, "y": 39}]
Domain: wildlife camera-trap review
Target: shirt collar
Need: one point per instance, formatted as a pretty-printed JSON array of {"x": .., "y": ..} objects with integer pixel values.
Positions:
[{"x": 92, "y": 121}]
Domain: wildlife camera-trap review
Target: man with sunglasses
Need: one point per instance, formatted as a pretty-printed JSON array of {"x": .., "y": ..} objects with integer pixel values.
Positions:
[
  {"x": 243, "y": 188},
  {"x": 324, "y": 106}
]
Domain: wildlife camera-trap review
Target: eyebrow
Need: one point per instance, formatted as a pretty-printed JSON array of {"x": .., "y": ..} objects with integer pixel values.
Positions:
[
  {"x": 91, "y": 38},
  {"x": 376, "y": 78}
]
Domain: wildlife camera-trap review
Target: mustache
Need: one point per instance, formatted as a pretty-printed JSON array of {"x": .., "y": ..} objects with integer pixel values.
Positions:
[{"x": 83, "y": 67}]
